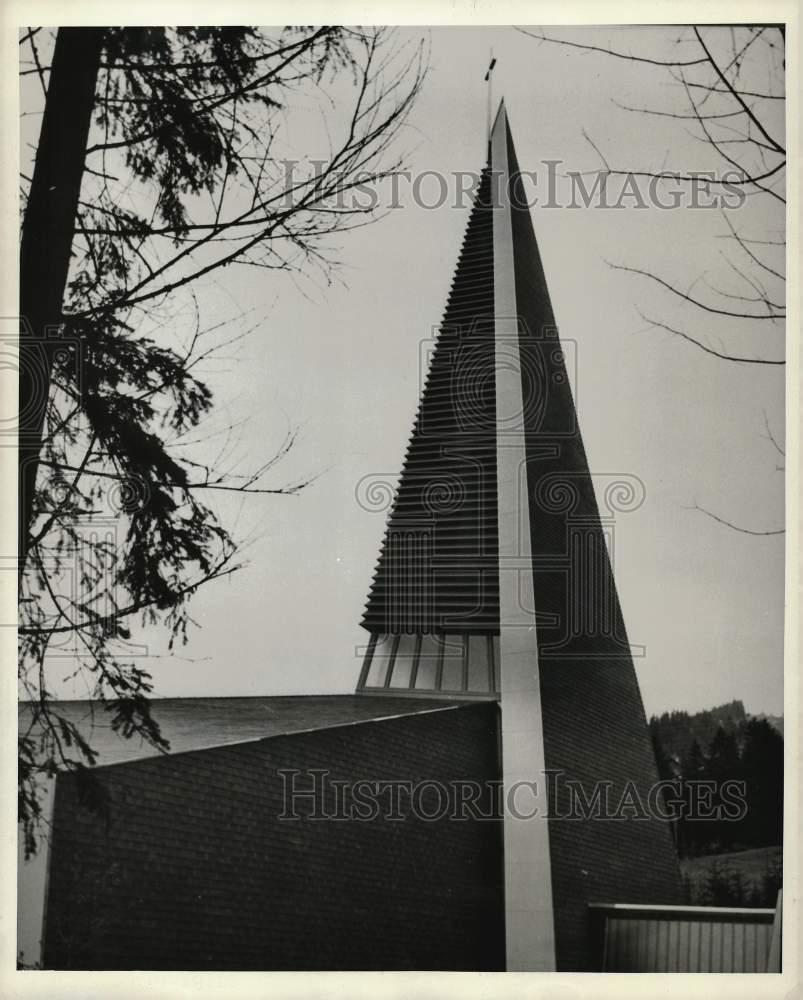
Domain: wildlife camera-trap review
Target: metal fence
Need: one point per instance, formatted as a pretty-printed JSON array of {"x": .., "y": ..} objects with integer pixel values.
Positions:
[{"x": 637, "y": 938}]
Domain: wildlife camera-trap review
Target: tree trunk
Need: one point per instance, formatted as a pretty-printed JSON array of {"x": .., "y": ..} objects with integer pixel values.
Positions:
[{"x": 47, "y": 234}]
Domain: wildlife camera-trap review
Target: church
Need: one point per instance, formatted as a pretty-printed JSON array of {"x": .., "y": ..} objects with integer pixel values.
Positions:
[{"x": 448, "y": 815}]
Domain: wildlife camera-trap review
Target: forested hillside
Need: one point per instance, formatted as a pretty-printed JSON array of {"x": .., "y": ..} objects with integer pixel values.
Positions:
[{"x": 728, "y": 772}]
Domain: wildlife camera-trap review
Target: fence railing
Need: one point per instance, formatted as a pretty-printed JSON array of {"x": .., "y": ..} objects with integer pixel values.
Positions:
[{"x": 639, "y": 938}]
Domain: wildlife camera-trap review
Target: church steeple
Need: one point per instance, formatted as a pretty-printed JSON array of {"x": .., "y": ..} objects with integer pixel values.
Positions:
[
  {"x": 495, "y": 581},
  {"x": 437, "y": 575},
  {"x": 498, "y": 375}
]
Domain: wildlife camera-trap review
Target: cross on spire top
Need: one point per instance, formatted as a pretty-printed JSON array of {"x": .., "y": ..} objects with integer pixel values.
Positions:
[{"x": 489, "y": 81}]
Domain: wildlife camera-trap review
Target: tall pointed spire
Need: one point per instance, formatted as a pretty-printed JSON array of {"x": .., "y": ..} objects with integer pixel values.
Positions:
[
  {"x": 495, "y": 582},
  {"x": 438, "y": 573}
]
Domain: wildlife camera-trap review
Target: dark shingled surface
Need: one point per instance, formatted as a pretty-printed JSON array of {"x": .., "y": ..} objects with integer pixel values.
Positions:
[{"x": 196, "y": 868}]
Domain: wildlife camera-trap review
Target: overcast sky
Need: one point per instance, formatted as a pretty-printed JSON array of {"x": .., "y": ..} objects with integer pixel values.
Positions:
[{"x": 342, "y": 363}]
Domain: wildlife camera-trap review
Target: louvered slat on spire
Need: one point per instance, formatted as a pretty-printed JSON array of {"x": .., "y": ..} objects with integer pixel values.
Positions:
[{"x": 438, "y": 567}]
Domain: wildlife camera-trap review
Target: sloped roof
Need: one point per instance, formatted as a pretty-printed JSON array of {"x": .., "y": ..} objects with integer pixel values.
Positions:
[{"x": 200, "y": 723}]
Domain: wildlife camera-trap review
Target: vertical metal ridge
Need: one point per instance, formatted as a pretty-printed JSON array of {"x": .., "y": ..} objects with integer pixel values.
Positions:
[{"x": 529, "y": 912}]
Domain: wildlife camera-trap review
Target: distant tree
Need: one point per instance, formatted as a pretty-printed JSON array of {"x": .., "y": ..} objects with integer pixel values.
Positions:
[
  {"x": 667, "y": 771},
  {"x": 762, "y": 767},
  {"x": 694, "y": 764},
  {"x": 162, "y": 158},
  {"x": 693, "y": 830},
  {"x": 724, "y": 765},
  {"x": 724, "y": 885},
  {"x": 765, "y": 892},
  {"x": 723, "y": 755},
  {"x": 672, "y": 730},
  {"x": 742, "y": 748},
  {"x": 721, "y": 882},
  {"x": 663, "y": 760}
]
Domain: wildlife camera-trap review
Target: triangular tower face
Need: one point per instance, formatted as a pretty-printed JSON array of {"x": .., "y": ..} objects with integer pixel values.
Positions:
[
  {"x": 438, "y": 573},
  {"x": 495, "y": 581}
]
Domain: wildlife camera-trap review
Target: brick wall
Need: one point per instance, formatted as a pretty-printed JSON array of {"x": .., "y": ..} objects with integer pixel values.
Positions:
[
  {"x": 595, "y": 733},
  {"x": 192, "y": 869}
]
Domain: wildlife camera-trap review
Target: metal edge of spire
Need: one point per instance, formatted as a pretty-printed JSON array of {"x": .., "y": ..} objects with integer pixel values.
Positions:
[{"x": 500, "y": 110}]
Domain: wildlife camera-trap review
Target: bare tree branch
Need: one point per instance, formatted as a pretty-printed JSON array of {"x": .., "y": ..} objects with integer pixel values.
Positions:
[
  {"x": 736, "y": 95},
  {"x": 770, "y": 437},
  {"x": 709, "y": 350},
  {"x": 735, "y": 527},
  {"x": 610, "y": 52},
  {"x": 688, "y": 298}
]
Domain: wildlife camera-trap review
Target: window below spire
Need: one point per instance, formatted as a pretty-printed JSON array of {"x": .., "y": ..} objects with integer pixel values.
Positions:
[{"x": 453, "y": 665}]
